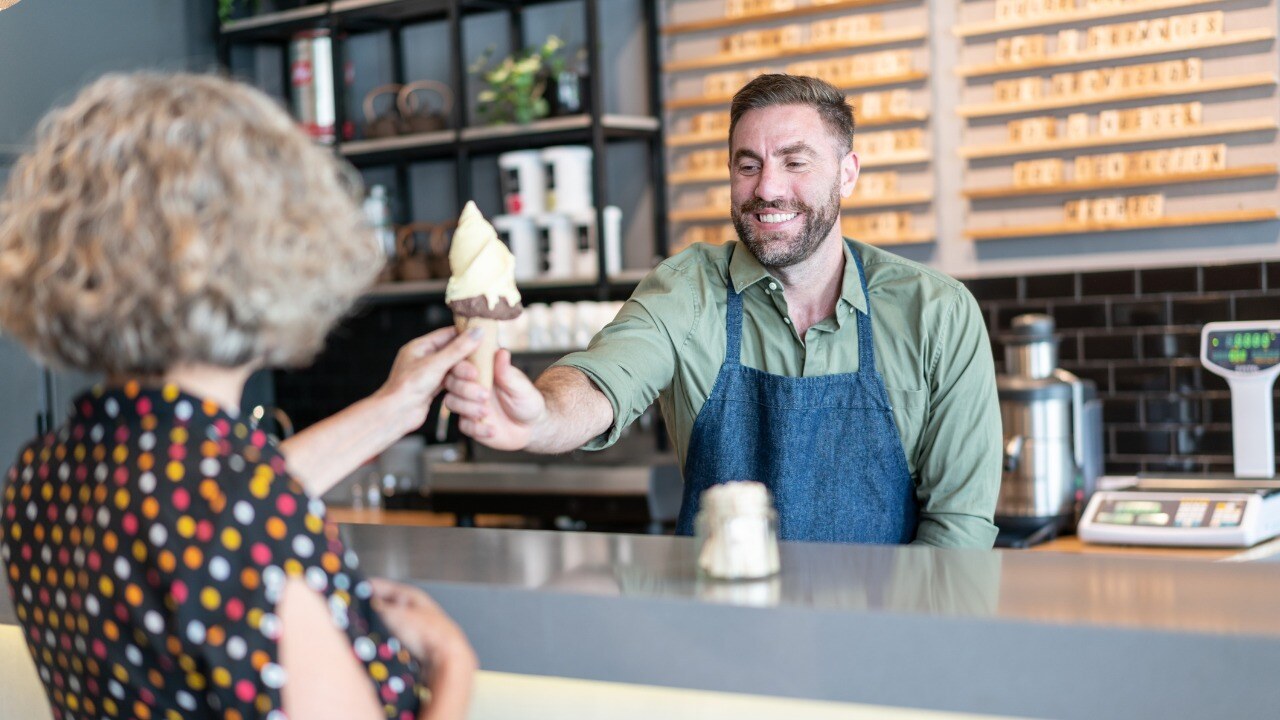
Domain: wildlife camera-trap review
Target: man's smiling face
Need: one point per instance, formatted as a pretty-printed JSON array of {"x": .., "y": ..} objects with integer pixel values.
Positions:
[{"x": 786, "y": 178}]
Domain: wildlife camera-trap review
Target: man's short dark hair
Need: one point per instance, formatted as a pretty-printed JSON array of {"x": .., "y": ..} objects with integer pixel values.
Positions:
[{"x": 781, "y": 89}]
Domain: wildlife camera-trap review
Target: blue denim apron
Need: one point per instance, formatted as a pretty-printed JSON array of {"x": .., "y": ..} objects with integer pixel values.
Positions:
[{"x": 826, "y": 447}]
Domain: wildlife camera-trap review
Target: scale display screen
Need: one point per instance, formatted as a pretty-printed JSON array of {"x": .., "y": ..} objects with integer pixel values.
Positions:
[
  {"x": 1182, "y": 513},
  {"x": 1245, "y": 350}
]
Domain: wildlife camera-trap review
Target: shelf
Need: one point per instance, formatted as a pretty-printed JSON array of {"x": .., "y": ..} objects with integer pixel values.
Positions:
[
  {"x": 393, "y": 148},
  {"x": 1248, "y": 171},
  {"x": 444, "y": 144},
  {"x": 434, "y": 289},
  {"x": 908, "y": 239},
  {"x": 276, "y": 25},
  {"x": 723, "y": 59},
  {"x": 349, "y": 15},
  {"x": 692, "y": 178},
  {"x": 349, "y": 12},
  {"x": 690, "y": 139},
  {"x": 897, "y": 200},
  {"x": 1132, "y": 7},
  {"x": 573, "y": 128},
  {"x": 1240, "y": 37},
  {"x": 1233, "y": 127},
  {"x": 1204, "y": 86},
  {"x": 722, "y": 214},
  {"x": 695, "y": 102},
  {"x": 571, "y": 122},
  {"x": 799, "y": 12},
  {"x": 1190, "y": 220}
]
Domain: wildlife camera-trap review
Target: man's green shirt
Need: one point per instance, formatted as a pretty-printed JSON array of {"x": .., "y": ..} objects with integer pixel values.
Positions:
[{"x": 668, "y": 343}]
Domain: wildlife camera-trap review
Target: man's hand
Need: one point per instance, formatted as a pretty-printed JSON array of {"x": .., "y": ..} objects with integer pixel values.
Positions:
[
  {"x": 504, "y": 419},
  {"x": 419, "y": 372}
]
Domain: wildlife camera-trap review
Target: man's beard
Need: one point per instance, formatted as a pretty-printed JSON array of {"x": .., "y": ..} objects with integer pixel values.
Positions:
[{"x": 771, "y": 248}]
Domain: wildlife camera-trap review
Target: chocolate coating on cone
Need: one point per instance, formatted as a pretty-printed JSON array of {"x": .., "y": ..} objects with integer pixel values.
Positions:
[{"x": 478, "y": 306}]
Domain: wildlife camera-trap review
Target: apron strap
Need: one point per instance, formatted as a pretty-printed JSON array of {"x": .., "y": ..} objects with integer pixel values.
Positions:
[
  {"x": 733, "y": 328},
  {"x": 866, "y": 346}
]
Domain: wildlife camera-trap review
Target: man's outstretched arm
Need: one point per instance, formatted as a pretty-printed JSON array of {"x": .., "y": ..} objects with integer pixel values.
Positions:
[{"x": 561, "y": 412}]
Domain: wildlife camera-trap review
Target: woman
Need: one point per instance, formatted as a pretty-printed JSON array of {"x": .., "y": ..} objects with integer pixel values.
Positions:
[{"x": 174, "y": 233}]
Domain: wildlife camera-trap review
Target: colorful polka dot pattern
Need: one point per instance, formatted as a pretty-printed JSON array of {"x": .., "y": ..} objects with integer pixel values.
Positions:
[{"x": 146, "y": 543}]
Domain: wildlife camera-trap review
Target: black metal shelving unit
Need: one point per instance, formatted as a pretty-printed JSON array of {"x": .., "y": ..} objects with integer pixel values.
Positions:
[{"x": 343, "y": 18}]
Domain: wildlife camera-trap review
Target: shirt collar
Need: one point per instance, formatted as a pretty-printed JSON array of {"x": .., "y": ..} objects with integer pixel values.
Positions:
[{"x": 745, "y": 270}]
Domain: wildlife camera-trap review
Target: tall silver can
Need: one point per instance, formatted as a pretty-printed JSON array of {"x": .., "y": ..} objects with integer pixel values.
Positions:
[{"x": 312, "y": 90}]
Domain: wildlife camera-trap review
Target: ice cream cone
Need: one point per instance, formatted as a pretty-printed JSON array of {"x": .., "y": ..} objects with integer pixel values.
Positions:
[{"x": 483, "y": 356}]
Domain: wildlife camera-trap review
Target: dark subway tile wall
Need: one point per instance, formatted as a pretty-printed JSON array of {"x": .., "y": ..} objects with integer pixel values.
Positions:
[{"x": 1136, "y": 335}]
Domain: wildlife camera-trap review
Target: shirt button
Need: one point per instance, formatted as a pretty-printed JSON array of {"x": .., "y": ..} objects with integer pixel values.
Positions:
[
  {"x": 786, "y": 320},
  {"x": 773, "y": 286}
]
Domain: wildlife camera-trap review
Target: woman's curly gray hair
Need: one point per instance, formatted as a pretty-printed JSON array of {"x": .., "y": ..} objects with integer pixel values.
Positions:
[{"x": 167, "y": 219}]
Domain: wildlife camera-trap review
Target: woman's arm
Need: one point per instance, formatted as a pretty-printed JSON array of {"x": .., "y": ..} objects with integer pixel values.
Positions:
[
  {"x": 324, "y": 678},
  {"x": 331, "y": 449}
]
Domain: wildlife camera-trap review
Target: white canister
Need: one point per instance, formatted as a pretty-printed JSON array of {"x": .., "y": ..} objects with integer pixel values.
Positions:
[
  {"x": 584, "y": 324},
  {"x": 539, "y": 326},
  {"x": 557, "y": 246},
  {"x": 584, "y": 229},
  {"x": 520, "y": 234},
  {"x": 524, "y": 182},
  {"x": 568, "y": 178},
  {"x": 564, "y": 319}
]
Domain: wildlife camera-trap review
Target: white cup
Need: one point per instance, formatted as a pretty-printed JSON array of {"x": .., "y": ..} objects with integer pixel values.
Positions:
[
  {"x": 520, "y": 234},
  {"x": 539, "y": 315},
  {"x": 524, "y": 182},
  {"x": 564, "y": 317},
  {"x": 557, "y": 246},
  {"x": 568, "y": 178}
]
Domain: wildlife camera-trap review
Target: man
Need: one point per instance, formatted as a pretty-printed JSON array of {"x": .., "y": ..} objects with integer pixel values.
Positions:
[{"x": 857, "y": 385}]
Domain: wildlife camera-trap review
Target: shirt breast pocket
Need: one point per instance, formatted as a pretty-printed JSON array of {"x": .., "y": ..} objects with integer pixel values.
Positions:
[{"x": 909, "y": 410}]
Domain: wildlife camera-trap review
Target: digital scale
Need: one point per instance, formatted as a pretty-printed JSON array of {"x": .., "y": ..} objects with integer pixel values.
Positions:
[{"x": 1205, "y": 511}]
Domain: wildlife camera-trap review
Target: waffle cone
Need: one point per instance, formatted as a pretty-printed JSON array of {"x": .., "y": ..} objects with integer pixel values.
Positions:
[{"x": 483, "y": 356}]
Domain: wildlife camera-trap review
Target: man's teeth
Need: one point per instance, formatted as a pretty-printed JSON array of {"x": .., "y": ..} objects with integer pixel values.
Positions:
[{"x": 776, "y": 218}]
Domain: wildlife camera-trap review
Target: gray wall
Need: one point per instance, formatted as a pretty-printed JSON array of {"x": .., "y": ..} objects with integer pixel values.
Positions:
[{"x": 48, "y": 50}]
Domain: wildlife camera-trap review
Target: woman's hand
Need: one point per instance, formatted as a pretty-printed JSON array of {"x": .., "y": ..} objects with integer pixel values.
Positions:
[
  {"x": 419, "y": 372},
  {"x": 434, "y": 640}
]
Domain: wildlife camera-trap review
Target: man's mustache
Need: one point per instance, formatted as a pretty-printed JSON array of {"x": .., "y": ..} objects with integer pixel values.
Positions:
[{"x": 757, "y": 205}]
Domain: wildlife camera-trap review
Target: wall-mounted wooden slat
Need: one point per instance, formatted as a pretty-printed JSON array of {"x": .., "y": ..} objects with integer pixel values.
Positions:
[
  {"x": 1133, "y": 7},
  {"x": 1078, "y": 101},
  {"x": 1240, "y": 37},
  {"x": 1012, "y": 191},
  {"x": 723, "y": 59},
  {"x": 689, "y": 139},
  {"x": 694, "y": 102},
  {"x": 1234, "y": 127},
  {"x": 1188, "y": 220},
  {"x": 722, "y": 214},
  {"x": 803, "y": 11}
]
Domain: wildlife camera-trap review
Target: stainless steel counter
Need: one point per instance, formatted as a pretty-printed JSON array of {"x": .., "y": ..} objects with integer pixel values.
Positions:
[
  {"x": 1000, "y": 633},
  {"x": 1012, "y": 633}
]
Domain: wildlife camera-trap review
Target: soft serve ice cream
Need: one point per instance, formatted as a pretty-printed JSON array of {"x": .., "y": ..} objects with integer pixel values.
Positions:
[{"x": 482, "y": 287}]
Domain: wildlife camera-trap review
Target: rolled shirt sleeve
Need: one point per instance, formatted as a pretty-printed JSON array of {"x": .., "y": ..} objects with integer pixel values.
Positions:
[
  {"x": 633, "y": 358},
  {"x": 961, "y": 444}
]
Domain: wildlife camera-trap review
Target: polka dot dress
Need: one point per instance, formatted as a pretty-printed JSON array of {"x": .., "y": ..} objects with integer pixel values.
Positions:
[{"x": 146, "y": 544}]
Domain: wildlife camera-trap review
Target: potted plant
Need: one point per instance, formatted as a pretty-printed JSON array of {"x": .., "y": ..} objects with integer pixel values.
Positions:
[{"x": 516, "y": 87}]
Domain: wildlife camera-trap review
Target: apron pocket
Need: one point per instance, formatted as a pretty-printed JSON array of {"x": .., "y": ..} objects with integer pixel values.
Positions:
[{"x": 909, "y": 409}]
